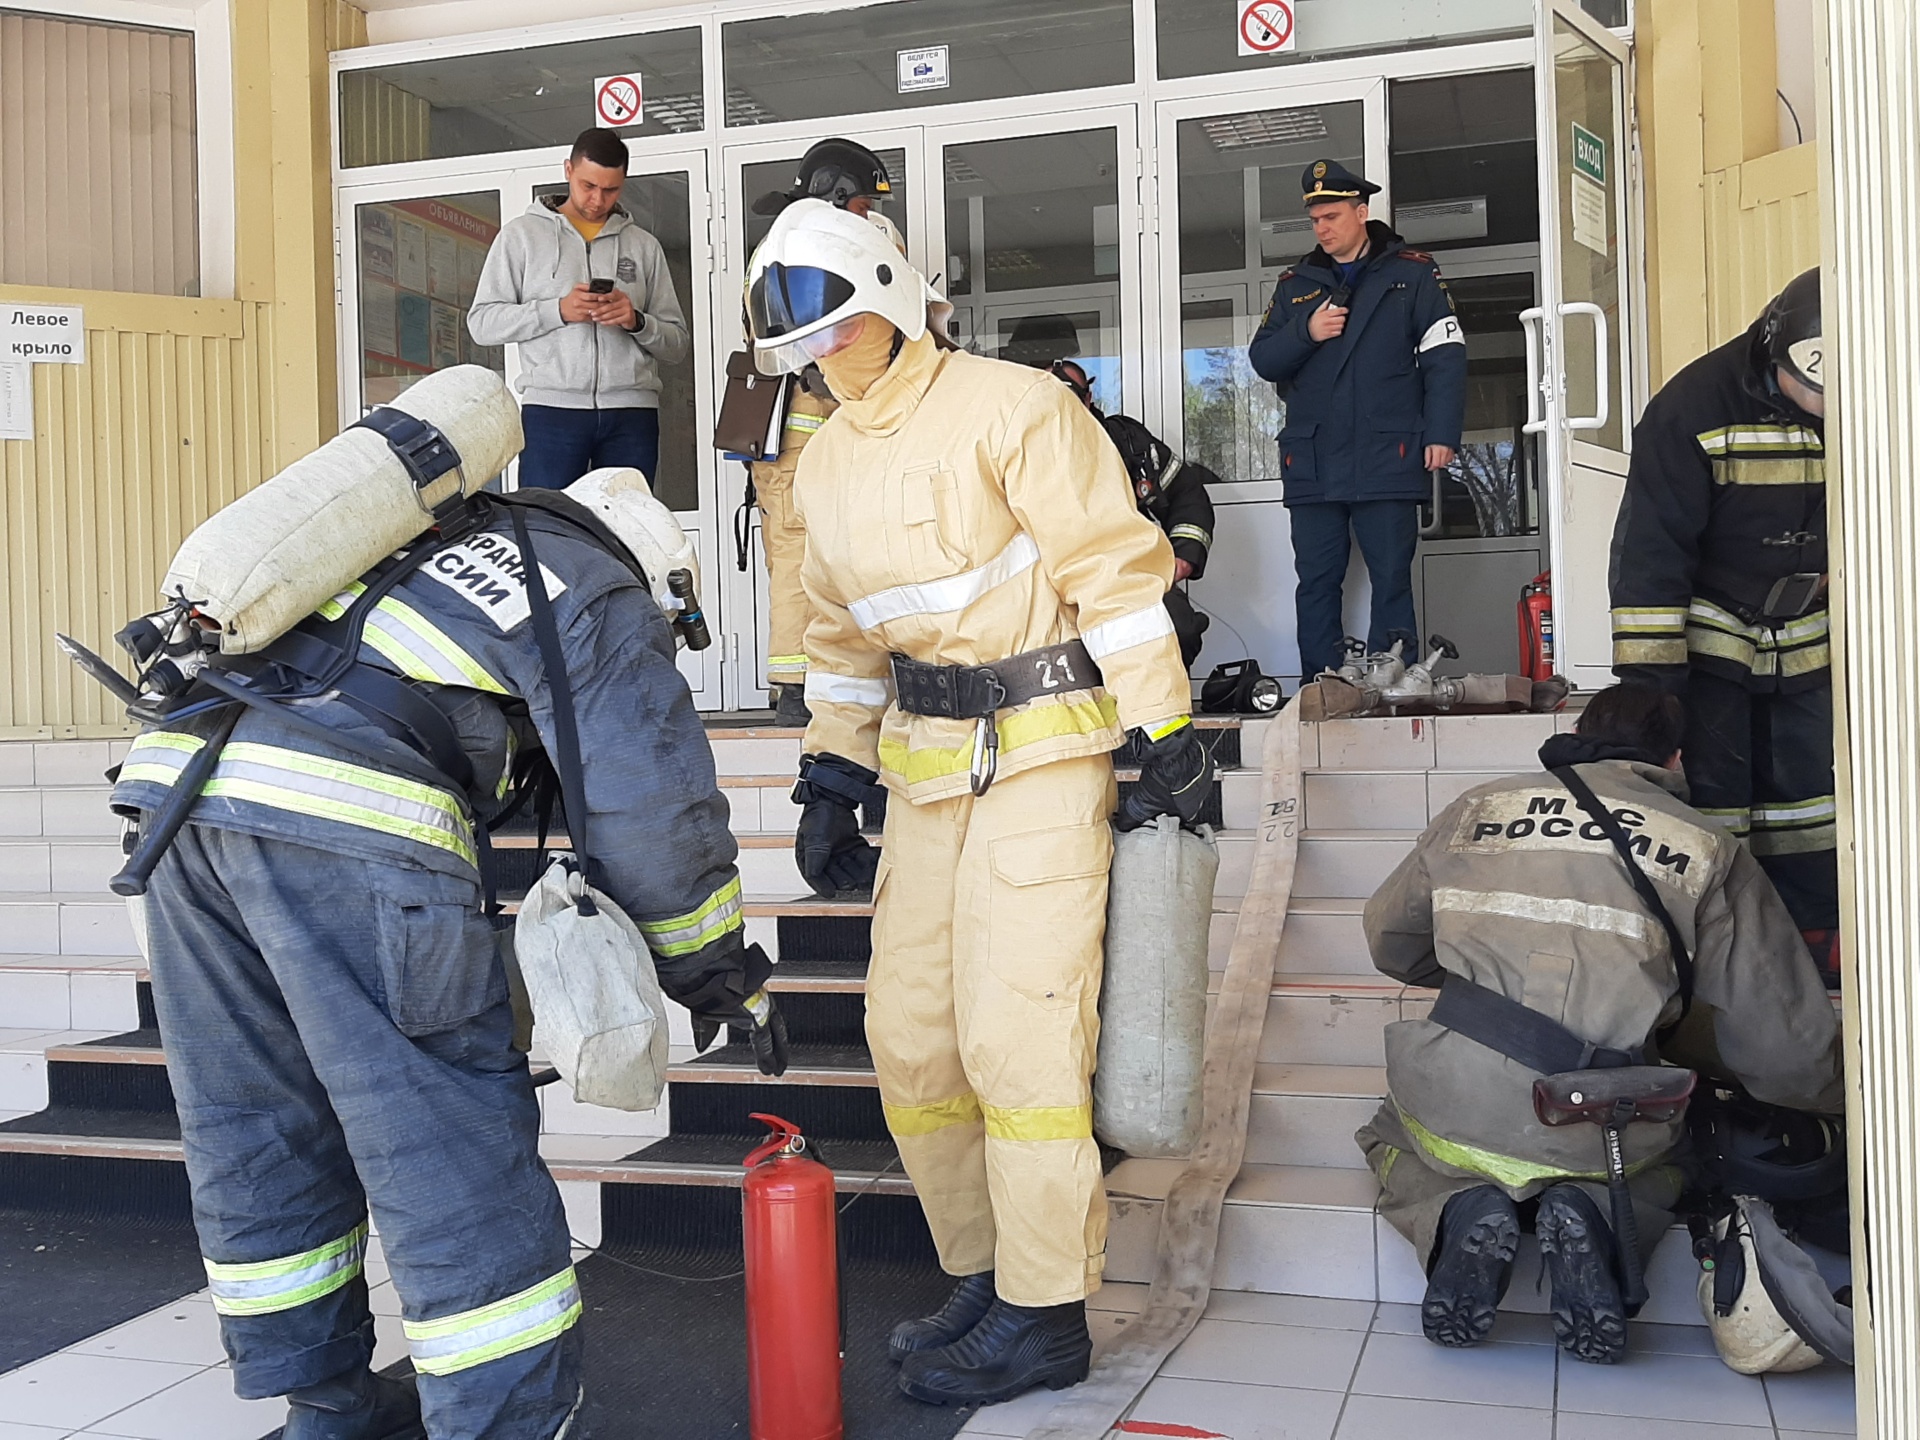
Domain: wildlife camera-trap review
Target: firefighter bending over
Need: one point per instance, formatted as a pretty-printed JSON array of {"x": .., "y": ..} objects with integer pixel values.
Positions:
[
  {"x": 1520, "y": 908},
  {"x": 988, "y": 626}
]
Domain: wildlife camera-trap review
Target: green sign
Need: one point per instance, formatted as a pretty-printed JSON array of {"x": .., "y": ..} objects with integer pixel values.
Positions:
[{"x": 1589, "y": 154}]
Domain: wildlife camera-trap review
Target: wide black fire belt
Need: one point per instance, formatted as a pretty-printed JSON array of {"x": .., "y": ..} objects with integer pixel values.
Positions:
[
  {"x": 967, "y": 692},
  {"x": 1538, "y": 1042}
]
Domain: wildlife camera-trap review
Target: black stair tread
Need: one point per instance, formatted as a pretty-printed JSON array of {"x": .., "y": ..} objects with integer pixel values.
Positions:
[
  {"x": 851, "y": 1059},
  {"x": 819, "y": 968},
  {"x": 147, "y": 1038},
  {"x": 97, "y": 1123},
  {"x": 845, "y": 1157}
]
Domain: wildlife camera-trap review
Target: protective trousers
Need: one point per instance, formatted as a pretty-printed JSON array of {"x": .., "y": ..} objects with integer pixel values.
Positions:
[
  {"x": 1761, "y": 765},
  {"x": 983, "y": 1018},
  {"x": 338, "y": 1038},
  {"x": 1413, "y": 1193},
  {"x": 785, "y": 540}
]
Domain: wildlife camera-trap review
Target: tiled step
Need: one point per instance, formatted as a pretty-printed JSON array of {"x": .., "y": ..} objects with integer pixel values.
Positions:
[
  {"x": 1306, "y": 1114},
  {"x": 65, "y": 992},
  {"x": 65, "y": 811},
  {"x": 1502, "y": 743},
  {"x": 43, "y": 864},
  {"x": 64, "y": 922}
]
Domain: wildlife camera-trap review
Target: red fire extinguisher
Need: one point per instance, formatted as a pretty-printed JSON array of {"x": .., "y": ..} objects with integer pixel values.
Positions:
[
  {"x": 1536, "y": 627},
  {"x": 793, "y": 1290}
]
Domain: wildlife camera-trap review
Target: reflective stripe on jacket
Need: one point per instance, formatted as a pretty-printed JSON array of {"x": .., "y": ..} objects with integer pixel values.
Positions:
[
  {"x": 963, "y": 511},
  {"x": 1513, "y": 888}
]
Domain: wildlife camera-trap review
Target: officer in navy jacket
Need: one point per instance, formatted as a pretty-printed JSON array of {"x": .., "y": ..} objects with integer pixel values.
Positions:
[{"x": 1362, "y": 343}]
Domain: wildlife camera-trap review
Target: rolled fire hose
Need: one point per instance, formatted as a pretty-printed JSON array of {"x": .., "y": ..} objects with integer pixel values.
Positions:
[{"x": 1190, "y": 1218}]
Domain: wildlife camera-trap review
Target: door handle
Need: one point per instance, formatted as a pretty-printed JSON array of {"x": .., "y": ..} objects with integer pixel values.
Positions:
[
  {"x": 1536, "y": 422},
  {"x": 1603, "y": 398},
  {"x": 1431, "y": 527}
]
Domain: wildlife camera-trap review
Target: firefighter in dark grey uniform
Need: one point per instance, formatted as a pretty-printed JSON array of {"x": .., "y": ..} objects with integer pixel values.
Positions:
[
  {"x": 1719, "y": 594},
  {"x": 1512, "y": 891}
]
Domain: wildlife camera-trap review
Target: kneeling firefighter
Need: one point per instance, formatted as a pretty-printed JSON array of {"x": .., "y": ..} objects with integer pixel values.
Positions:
[
  {"x": 312, "y": 814},
  {"x": 1565, "y": 968},
  {"x": 988, "y": 626}
]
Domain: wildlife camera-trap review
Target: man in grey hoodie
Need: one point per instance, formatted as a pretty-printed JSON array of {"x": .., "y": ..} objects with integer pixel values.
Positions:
[{"x": 584, "y": 292}]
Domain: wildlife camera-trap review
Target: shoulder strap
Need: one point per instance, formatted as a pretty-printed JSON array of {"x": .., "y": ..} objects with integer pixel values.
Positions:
[
  {"x": 1643, "y": 887},
  {"x": 566, "y": 733}
]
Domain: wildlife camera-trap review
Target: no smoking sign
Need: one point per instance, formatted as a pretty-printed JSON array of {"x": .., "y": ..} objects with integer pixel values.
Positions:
[
  {"x": 1266, "y": 26},
  {"x": 616, "y": 101}
]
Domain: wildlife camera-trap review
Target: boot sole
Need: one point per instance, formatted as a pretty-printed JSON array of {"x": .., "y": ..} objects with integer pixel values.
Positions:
[
  {"x": 1060, "y": 1377},
  {"x": 1463, "y": 1295},
  {"x": 1589, "y": 1320}
]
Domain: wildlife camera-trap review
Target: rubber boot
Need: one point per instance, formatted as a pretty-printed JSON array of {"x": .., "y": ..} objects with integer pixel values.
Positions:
[
  {"x": 1472, "y": 1263},
  {"x": 790, "y": 706},
  {"x": 1589, "y": 1319},
  {"x": 1013, "y": 1349},
  {"x": 356, "y": 1405},
  {"x": 970, "y": 1300}
]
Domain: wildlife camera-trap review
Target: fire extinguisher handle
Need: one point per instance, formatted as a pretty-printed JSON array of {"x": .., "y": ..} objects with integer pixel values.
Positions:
[{"x": 786, "y": 1138}]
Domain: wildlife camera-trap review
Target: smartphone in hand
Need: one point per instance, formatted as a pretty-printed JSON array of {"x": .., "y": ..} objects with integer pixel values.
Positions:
[{"x": 600, "y": 287}]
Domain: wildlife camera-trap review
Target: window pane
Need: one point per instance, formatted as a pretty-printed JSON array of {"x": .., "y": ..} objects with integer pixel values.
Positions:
[
  {"x": 768, "y": 176},
  {"x": 1241, "y": 223},
  {"x": 848, "y": 62},
  {"x": 419, "y": 261},
  {"x": 1586, "y": 93},
  {"x": 1463, "y": 160},
  {"x": 1607, "y": 12},
  {"x": 662, "y": 204},
  {"x": 1198, "y": 37},
  {"x": 99, "y": 188},
  {"x": 514, "y": 99},
  {"x": 1033, "y": 234},
  {"x": 1491, "y": 488}
]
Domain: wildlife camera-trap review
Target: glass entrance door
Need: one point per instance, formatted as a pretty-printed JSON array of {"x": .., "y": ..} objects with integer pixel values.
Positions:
[
  {"x": 411, "y": 256},
  {"x": 1577, "y": 338}
]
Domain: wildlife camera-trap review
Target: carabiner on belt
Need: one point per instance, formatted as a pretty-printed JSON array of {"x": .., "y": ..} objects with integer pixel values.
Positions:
[{"x": 986, "y": 755}]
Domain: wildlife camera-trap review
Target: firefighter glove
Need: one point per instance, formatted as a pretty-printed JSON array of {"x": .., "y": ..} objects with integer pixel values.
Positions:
[
  {"x": 1176, "y": 777},
  {"x": 827, "y": 845},
  {"x": 756, "y": 1015}
]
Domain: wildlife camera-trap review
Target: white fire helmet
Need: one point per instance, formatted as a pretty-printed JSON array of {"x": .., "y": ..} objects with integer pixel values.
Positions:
[
  {"x": 820, "y": 269},
  {"x": 626, "y": 505},
  {"x": 1765, "y": 1302}
]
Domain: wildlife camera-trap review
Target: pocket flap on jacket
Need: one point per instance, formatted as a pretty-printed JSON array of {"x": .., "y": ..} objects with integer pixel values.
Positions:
[
  {"x": 1301, "y": 431},
  {"x": 1072, "y": 852}
]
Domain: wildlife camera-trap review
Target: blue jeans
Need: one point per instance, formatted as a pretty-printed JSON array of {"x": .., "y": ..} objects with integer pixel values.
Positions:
[
  {"x": 563, "y": 445},
  {"x": 339, "y": 1040},
  {"x": 1387, "y": 531}
]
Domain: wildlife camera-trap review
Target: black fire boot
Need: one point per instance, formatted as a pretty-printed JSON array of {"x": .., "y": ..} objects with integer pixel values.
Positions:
[
  {"x": 1589, "y": 1319},
  {"x": 355, "y": 1405},
  {"x": 1012, "y": 1349},
  {"x": 790, "y": 706},
  {"x": 1472, "y": 1263},
  {"x": 971, "y": 1299}
]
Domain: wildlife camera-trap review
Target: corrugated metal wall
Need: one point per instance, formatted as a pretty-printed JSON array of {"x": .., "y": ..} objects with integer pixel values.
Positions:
[
  {"x": 1763, "y": 228},
  {"x": 169, "y": 419}
]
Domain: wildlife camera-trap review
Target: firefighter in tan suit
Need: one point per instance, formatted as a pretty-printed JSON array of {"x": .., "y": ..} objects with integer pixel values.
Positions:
[{"x": 987, "y": 628}]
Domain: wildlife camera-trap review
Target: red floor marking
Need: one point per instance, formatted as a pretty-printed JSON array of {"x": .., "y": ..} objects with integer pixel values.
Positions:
[{"x": 1185, "y": 1432}]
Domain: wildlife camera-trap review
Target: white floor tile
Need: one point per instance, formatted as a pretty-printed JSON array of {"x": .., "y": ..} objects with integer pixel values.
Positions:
[
  {"x": 1672, "y": 1340},
  {"x": 389, "y": 1341},
  {"x": 187, "y": 1332},
  {"x": 202, "y": 1408},
  {"x": 1289, "y": 1356},
  {"x": 1375, "y": 1417},
  {"x": 1608, "y": 1427},
  {"x": 1124, "y": 1298},
  {"x": 1241, "y": 1412},
  {"x": 1784, "y": 1435},
  {"x": 77, "y": 1390},
  {"x": 1511, "y": 1327},
  {"x": 384, "y": 1299},
  {"x": 1290, "y": 1310},
  {"x": 1819, "y": 1400},
  {"x": 1410, "y": 1367},
  {"x": 11, "y": 1431},
  {"x": 1664, "y": 1387}
]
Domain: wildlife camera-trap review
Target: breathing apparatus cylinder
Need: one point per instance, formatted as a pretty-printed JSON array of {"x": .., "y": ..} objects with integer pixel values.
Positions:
[
  {"x": 793, "y": 1290},
  {"x": 275, "y": 555},
  {"x": 1153, "y": 992}
]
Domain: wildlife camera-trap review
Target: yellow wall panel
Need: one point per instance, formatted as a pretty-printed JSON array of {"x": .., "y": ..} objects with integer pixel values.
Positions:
[
  {"x": 160, "y": 428},
  {"x": 1763, "y": 228}
]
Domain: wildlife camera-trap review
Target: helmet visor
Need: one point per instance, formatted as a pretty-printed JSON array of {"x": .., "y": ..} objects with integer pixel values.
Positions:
[{"x": 786, "y": 298}]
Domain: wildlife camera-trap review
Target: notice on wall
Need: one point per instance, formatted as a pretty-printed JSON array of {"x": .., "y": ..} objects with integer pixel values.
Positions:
[
  {"x": 443, "y": 265},
  {"x": 410, "y": 254},
  {"x": 616, "y": 101},
  {"x": 444, "y": 336},
  {"x": 1265, "y": 27},
  {"x": 1588, "y": 177},
  {"x": 16, "y": 400},
  {"x": 413, "y": 320},
  {"x": 378, "y": 319},
  {"x": 924, "y": 69},
  {"x": 43, "y": 334}
]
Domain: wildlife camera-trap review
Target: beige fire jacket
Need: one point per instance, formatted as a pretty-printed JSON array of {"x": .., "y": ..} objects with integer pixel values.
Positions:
[
  {"x": 1515, "y": 889},
  {"x": 963, "y": 511}
]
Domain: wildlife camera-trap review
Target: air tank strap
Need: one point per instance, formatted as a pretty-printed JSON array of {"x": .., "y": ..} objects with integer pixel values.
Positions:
[{"x": 426, "y": 453}]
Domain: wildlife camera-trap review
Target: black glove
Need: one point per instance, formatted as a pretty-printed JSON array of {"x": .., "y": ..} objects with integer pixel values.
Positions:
[
  {"x": 827, "y": 845},
  {"x": 756, "y": 1014},
  {"x": 1176, "y": 776}
]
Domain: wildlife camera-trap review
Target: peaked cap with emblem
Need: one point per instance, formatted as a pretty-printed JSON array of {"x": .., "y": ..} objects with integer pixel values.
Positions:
[{"x": 1330, "y": 180}]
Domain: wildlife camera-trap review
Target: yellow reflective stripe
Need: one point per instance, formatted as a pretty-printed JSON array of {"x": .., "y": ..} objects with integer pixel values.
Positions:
[
  {"x": 1190, "y": 532},
  {"x": 786, "y": 662},
  {"x": 506, "y": 765},
  {"x": 167, "y": 740},
  {"x": 1650, "y": 652},
  {"x": 1023, "y": 727},
  {"x": 684, "y": 934},
  {"x": 1814, "y": 809},
  {"x": 1770, "y": 470},
  {"x": 1649, "y": 619},
  {"x": 907, "y": 1121},
  {"x": 1735, "y": 820},
  {"x": 1507, "y": 1169},
  {"x": 808, "y": 423},
  {"x": 336, "y": 607},
  {"x": 1045, "y": 1122},
  {"x": 1759, "y": 436},
  {"x": 1806, "y": 661},
  {"x": 1806, "y": 841},
  {"x": 473, "y": 1337},
  {"x": 264, "y": 1287},
  {"x": 458, "y": 668},
  {"x": 301, "y": 802},
  {"x": 1386, "y": 1165},
  {"x": 1161, "y": 731}
]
